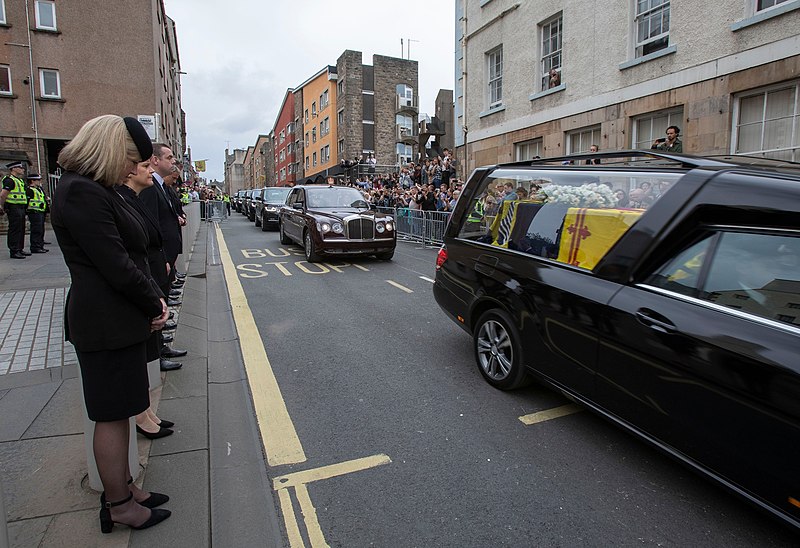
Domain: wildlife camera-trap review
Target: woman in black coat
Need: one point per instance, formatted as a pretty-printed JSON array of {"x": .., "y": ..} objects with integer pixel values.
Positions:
[
  {"x": 147, "y": 423},
  {"x": 113, "y": 303}
]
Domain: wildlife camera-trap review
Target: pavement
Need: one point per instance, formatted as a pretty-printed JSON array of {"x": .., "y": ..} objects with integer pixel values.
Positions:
[{"x": 213, "y": 467}]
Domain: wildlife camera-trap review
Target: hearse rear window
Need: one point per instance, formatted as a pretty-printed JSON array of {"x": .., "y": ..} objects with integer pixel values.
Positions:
[{"x": 567, "y": 215}]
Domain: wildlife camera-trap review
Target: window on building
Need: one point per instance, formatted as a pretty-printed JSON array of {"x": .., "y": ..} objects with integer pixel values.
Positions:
[
  {"x": 551, "y": 32},
  {"x": 307, "y": 163},
  {"x": 313, "y": 109},
  {"x": 324, "y": 99},
  {"x": 405, "y": 95},
  {"x": 528, "y": 150},
  {"x": 404, "y": 153},
  {"x": 306, "y": 115},
  {"x": 580, "y": 140},
  {"x": 314, "y": 134},
  {"x": 314, "y": 160},
  {"x": 289, "y": 148},
  {"x": 281, "y": 137},
  {"x": 282, "y": 155},
  {"x": 306, "y": 138},
  {"x": 405, "y": 125},
  {"x": 340, "y": 148},
  {"x": 50, "y": 83},
  {"x": 46, "y": 15},
  {"x": 5, "y": 80},
  {"x": 649, "y": 127},
  {"x": 767, "y": 122},
  {"x": 495, "y": 71},
  {"x": 652, "y": 26},
  {"x": 3, "y": 20},
  {"x": 325, "y": 154},
  {"x": 325, "y": 126},
  {"x": 340, "y": 117},
  {"x": 289, "y": 128},
  {"x": 283, "y": 174},
  {"x": 297, "y": 145},
  {"x": 766, "y": 4},
  {"x": 340, "y": 87}
]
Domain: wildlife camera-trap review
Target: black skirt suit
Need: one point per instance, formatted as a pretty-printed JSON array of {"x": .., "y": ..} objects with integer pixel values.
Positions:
[{"x": 112, "y": 298}]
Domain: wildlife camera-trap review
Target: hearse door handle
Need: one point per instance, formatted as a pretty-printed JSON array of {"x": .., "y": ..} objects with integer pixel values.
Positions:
[
  {"x": 485, "y": 264},
  {"x": 655, "y": 321},
  {"x": 489, "y": 260}
]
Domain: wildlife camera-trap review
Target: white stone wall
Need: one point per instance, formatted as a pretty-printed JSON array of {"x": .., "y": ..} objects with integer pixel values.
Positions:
[{"x": 597, "y": 42}]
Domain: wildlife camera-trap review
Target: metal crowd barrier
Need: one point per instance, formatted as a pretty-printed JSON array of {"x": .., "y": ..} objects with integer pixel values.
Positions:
[
  {"x": 216, "y": 210},
  {"x": 425, "y": 227}
]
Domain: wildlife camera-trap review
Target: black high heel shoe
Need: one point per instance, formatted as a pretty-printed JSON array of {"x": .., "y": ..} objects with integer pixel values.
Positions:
[
  {"x": 162, "y": 432},
  {"x": 107, "y": 524},
  {"x": 166, "y": 424},
  {"x": 154, "y": 500}
]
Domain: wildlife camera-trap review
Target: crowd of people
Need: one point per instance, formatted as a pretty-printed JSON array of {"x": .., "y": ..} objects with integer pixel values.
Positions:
[{"x": 117, "y": 215}]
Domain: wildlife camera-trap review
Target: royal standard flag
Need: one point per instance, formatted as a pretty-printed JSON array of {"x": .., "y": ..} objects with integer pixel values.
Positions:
[
  {"x": 200, "y": 165},
  {"x": 588, "y": 234}
]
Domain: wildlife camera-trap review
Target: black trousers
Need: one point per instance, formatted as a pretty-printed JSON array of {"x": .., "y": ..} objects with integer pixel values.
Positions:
[
  {"x": 16, "y": 228},
  {"x": 37, "y": 229}
]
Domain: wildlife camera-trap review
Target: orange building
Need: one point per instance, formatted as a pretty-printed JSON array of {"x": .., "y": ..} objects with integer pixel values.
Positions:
[{"x": 319, "y": 121}]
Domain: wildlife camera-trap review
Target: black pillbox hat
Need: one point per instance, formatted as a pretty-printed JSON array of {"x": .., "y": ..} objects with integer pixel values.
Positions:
[{"x": 140, "y": 137}]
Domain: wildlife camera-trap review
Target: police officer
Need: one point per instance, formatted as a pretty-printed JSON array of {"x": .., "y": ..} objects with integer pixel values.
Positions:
[
  {"x": 37, "y": 208},
  {"x": 227, "y": 200},
  {"x": 14, "y": 202}
]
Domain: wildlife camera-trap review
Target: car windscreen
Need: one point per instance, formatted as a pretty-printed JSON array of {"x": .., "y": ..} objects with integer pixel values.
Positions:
[
  {"x": 276, "y": 195},
  {"x": 569, "y": 215},
  {"x": 334, "y": 197}
]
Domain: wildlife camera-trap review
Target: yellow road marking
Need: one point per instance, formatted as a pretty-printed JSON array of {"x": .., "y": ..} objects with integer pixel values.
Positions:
[
  {"x": 278, "y": 434},
  {"x": 398, "y": 286},
  {"x": 330, "y": 471},
  {"x": 315, "y": 536},
  {"x": 549, "y": 414},
  {"x": 289, "y": 518}
]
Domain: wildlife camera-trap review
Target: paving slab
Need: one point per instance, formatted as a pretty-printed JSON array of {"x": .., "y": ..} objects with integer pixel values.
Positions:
[
  {"x": 225, "y": 362},
  {"x": 192, "y": 339},
  {"x": 190, "y": 416},
  {"x": 62, "y": 415},
  {"x": 20, "y": 408},
  {"x": 189, "y": 380}
]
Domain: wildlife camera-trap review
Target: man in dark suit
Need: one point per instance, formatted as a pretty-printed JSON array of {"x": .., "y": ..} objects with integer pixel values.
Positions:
[{"x": 160, "y": 205}]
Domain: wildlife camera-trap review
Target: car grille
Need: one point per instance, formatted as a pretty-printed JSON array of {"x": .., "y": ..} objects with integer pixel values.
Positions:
[{"x": 361, "y": 229}]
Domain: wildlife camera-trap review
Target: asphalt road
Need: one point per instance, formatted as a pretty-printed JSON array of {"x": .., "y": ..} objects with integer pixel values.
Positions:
[{"x": 370, "y": 368}]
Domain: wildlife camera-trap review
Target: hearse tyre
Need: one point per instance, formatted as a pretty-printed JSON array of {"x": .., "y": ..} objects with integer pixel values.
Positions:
[{"x": 498, "y": 351}]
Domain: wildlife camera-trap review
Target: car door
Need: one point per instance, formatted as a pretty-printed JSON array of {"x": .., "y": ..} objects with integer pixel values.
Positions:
[{"x": 703, "y": 356}]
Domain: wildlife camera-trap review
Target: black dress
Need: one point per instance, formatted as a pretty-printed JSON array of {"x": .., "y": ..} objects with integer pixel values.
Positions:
[{"x": 112, "y": 298}]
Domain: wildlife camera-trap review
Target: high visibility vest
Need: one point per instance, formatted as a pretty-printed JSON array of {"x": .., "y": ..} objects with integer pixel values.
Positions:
[
  {"x": 226, "y": 199},
  {"x": 17, "y": 196},
  {"x": 38, "y": 202},
  {"x": 185, "y": 198},
  {"x": 477, "y": 213}
]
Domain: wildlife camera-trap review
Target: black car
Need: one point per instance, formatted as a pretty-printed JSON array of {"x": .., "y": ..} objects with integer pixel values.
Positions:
[
  {"x": 267, "y": 204},
  {"x": 660, "y": 291},
  {"x": 330, "y": 220}
]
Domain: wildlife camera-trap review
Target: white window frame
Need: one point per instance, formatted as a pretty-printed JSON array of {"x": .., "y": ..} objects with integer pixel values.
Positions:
[
  {"x": 794, "y": 144},
  {"x": 341, "y": 146},
  {"x": 324, "y": 100},
  {"x": 494, "y": 77},
  {"x": 537, "y": 146},
  {"x": 314, "y": 134},
  {"x": 585, "y": 133},
  {"x": 313, "y": 109},
  {"x": 307, "y": 163},
  {"x": 42, "y": 93},
  {"x": 3, "y": 20},
  {"x": 405, "y": 97},
  {"x": 325, "y": 126},
  {"x": 648, "y": 13},
  {"x": 674, "y": 118},
  {"x": 754, "y": 6},
  {"x": 402, "y": 157},
  {"x": 7, "y": 69},
  {"x": 546, "y": 55},
  {"x": 52, "y": 4},
  {"x": 340, "y": 117},
  {"x": 314, "y": 159}
]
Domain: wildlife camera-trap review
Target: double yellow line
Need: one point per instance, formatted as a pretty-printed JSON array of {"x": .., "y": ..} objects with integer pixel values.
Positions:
[{"x": 278, "y": 435}]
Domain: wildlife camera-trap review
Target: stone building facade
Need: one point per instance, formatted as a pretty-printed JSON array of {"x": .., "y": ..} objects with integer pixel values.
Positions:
[
  {"x": 726, "y": 73},
  {"x": 234, "y": 170},
  {"x": 46, "y": 95}
]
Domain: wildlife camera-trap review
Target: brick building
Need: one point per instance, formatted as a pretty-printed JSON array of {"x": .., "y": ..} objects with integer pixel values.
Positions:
[
  {"x": 552, "y": 77},
  {"x": 286, "y": 140},
  {"x": 53, "y": 77}
]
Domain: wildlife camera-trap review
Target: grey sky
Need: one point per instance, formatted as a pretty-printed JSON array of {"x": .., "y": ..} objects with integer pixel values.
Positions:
[{"x": 240, "y": 56}]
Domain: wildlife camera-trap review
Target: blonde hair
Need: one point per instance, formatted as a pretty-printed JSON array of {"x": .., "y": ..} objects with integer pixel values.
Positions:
[{"x": 100, "y": 150}]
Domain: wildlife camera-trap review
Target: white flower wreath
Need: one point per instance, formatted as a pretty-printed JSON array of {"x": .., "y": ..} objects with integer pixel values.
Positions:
[{"x": 588, "y": 195}]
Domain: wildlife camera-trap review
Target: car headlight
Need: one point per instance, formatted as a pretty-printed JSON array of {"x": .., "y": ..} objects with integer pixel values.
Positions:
[
  {"x": 324, "y": 227},
  {"x": 272, "y": 208},
  {"x": 380, "y": 227},
  {"x": 337, "y": 228},
  {"x": 389, "y": 227}
]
